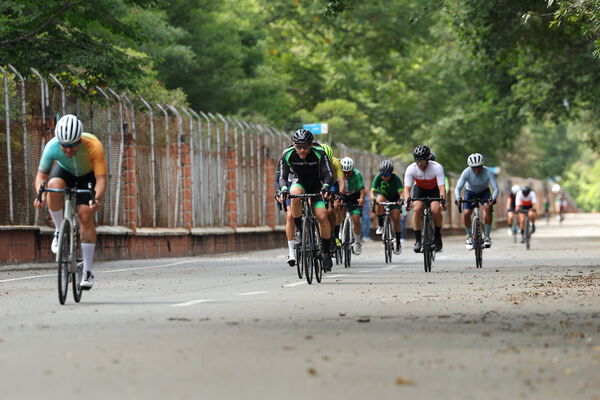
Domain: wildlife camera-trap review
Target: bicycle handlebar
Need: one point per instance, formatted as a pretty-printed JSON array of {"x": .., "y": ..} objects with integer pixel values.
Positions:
[
  {"x": 89, "y": 190},
  {"x": 477, "y": 201}
]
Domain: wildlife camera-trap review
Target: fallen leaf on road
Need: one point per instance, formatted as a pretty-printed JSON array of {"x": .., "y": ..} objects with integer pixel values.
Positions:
[
  {"x": 178, "y": 319},
  {"x": 404, "y": 381},
  {"x": 364, "y": 319},
  {"x": 311, "y": 372}
]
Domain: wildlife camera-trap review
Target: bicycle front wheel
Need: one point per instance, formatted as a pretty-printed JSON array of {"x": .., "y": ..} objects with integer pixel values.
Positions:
[
  {"x": 64, "y": 258},
  {"x": 427, "y": 243},
  {"x": 527, "y": 231},
  {"x": 299, "y": 261},
  {"x": 317, "y": 259},
  {"x": 346, "y": 243},
  {"x": 477, "y": 242},
  {"x": 388, "y": 239},
  {"x": 307, "y": 249}
]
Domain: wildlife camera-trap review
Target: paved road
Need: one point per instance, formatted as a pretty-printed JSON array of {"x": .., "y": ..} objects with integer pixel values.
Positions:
[{"x": 243, "y": 326}]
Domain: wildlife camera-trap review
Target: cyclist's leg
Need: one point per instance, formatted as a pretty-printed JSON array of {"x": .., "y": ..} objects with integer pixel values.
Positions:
[
  {"x": 290, "y": 231},
  {"x": 396, "y": 214},
  {"x": 532, "y": 216},
  {"x": 296, "y": 205},
  {"x": 379, "y": 212},
  {"x": 87, "y": 227},
  {"x": 325, "y": 228},
  {"x": 521, "y": 219},
  {"x": 436, "y": 213},
  {"x": 58, "y": 179},
  {"x": 418, "y": 208}
]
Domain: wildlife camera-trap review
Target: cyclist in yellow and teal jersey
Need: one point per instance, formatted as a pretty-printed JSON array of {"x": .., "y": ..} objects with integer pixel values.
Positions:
[
  {"x": 387, "y": 186},
  {"x": 354, "y": 194},
  {"x": 79, "y": 160},
  {"x": 337, "y": 187}
]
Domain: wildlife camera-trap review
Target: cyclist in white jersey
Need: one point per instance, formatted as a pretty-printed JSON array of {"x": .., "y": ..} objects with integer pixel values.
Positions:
[
  {"x": 428, "y": 179},
  {"x": 525, "y": 201},
  {"x": 478, "y": 180}
]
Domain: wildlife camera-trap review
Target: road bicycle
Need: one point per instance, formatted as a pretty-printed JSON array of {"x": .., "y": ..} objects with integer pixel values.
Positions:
[
  {"x": 388, "y": 237},
  {"x": 346, "y": 234},
  {"x": 427, "y": 231},
  {"x": 528, "y": 229},
  {"x": 515, "y": 227},
  {"x": 476, "y": 228},
  {"x": 68, "y": 256},
  {"x": 309, "y": 255}
]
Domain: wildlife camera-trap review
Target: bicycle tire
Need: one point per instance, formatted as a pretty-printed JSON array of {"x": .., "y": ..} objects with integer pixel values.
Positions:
[
  {"x": 77, "y": 277},
  {"x": 317, "y": 259},
  {"x": 299, "y": 261},
  {"x": 307, "y": 245},
  {"x": 527, "y": 231},
  {"x": 387, "y": 239},
  {"x": 63, "y": 257},
  {"x": 346, "y": 243},
  {"x": 477, "y": 241},
  {"x": 426, "y": 238}
]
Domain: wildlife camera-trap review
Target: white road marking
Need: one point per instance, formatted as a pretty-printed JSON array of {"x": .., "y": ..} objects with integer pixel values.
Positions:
[
  {"x": 295, "y": 284},
  {"x": 364, "y": 271},
  {"x": 335, "y": 276},
  {"x": 110, "y": 271},
  {"x": 252, "y": 293},
  {"x": 390, "y": 267},
  {"x": 27, "y": 277},
  {"x": 192, "y": 302}
]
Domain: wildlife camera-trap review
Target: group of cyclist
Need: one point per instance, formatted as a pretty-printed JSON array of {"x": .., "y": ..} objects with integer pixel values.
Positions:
[
  {"x": 310, "y": 167},
  {"x": 305, "y": 167}
]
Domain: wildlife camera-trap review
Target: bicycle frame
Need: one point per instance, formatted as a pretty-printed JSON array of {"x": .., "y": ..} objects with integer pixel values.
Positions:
[
  {"x": 388, "y": 230},
  {"x": 476, "y": 229},
  {"x": 346, "y": 234}
]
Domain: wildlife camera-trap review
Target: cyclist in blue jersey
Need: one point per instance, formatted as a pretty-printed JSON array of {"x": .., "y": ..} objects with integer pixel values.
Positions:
[{"x": 478, "y": 180}]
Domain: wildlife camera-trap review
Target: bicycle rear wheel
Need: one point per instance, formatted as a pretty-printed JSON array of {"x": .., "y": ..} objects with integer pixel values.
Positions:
[
  {"x": 317, "y": 251},
  {"x": 477, "y": 242},
  {"x": 346, "y": 243},
  {"x": 64, "y": 258},
  {"x": 299, "y": 261},
  {"x": 307, "y": 249},
  {"x": 387, "y": 239}
]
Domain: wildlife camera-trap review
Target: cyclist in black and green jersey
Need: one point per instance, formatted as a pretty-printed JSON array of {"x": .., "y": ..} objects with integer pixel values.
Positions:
[
  {"x": 354, "y": 194},
  {"x": 311, "y": 166},
  {"x": 387, "y": 186}
]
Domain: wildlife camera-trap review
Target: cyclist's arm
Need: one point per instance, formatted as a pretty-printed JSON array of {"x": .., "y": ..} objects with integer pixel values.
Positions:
[
  {"x": 39, "y": 178},
  {"x": 494, "y": 184},
  {"x": 325, "y": 171},
  {"x": 460, "y": 184},
  {"x": 100, "y": 187},
  {"x": 284, "y": 170}
]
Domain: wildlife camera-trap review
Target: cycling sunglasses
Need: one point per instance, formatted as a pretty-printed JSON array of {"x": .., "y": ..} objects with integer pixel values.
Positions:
[
  {"x": 70, "y": 146},
  {"x": 302, "y": 146},
  {"x": 386, "y": 175}
]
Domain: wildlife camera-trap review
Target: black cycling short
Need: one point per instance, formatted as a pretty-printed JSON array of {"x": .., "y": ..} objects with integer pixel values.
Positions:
[
  {"x": 353, "y": 199},
  {"x": 419, "y": 192},
  {"x": 72, "y": 180}
]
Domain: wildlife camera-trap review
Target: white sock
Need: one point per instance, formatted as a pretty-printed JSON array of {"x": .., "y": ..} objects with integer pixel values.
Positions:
[
  {"x": 88, "y": 256},
  {"x": 291, "y": 248},
  {"x": 57, "y": 218},
  {"x": 357, "y": 237}
]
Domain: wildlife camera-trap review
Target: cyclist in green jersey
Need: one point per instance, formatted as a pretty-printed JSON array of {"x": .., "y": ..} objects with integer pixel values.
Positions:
[
  {"x": 387, "y": 186},
  {"x": 354, "y": 194}
]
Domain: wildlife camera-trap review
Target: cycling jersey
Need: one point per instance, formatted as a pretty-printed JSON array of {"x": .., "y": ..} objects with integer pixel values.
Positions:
[
  {"x": 354, "y": 184},
  {"x": 313, "y": 171},
  {"x": 291, "y": 178},
  {"x": 89, "y": 157},
  {"x": 476, "y": 183},
  {"x": 431, "y": 178},
  {"x": 526, "y": 201},
  {"x": 390, "y": 189},
  {"x": 511, "y": 202}
]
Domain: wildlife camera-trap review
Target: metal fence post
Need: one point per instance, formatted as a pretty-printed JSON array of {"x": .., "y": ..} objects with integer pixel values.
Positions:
[
  {"x": 226, "y": 171},
  {"x": 195, "y": 193},
  {"x": 191, "y": 152},
  {"x": 152, "y": 159},
  {"x": 208, "y": 164},
  {"x": 8, "y": 150},
  {"x": 121, "y": 151},
  {"x": 63, "y": 100},
  {"x": 166, "y": 115},
  {"x": 252, "y": 171},
  {"x": 109, "y": 152},
  {"x": 178, "y": 210},
  {"x": 219, "y": 177},
  {"x": 24, "y": 128}
]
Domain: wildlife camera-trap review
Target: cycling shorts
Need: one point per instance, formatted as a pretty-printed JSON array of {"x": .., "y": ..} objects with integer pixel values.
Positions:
[
  {"x": 485, "y": 195},
  {"x": 420, "y": 192},
  {"x": 312, "y": 188},
  {"x": 72, "y": 180},
  {"x": 353, "y": 199}
]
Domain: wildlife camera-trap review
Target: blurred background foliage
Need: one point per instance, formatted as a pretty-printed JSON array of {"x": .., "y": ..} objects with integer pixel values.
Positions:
[{"x": 517, "y": 80}]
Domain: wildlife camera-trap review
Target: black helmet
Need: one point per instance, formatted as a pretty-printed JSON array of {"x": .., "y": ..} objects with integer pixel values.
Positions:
[
  {"x": 421, "y": 153},
  {"x": 432, "y": 156},
  {"x": 526, "y": 190},
  {"x": 303, "y": 136},
  {"x": 386, "y": 167}
]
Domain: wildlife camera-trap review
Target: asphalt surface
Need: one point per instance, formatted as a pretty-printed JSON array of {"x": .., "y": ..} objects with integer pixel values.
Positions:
[{"x": 526, "y": 326}]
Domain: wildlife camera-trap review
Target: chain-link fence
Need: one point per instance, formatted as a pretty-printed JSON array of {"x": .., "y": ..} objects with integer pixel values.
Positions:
[{"x": 174, "y": 148}]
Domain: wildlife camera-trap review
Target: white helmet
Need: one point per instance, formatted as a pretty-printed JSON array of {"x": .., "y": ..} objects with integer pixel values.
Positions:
[
  {"x": 475, "y": 160},
  {"x": 515, "y": 189},
  {"x": 347, "y": 164},
  {"x": 555, "y": 188},
  {"x": 68, "y": 129}
]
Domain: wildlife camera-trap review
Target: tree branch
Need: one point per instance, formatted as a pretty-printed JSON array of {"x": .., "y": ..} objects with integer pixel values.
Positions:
[{"x": 49, "y": 21}]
